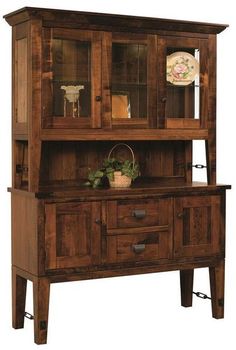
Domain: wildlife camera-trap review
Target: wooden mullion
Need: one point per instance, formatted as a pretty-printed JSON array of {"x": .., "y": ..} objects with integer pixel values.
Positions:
[
  {"x": 152, "y": 80},
  {"x": 96, "y": 89},
  {"x": 47, "y": 76},
  {"x": 211, "y": 142},
  {"x": 161, "y": 73},
  {"x": 34, "y": 125},
  {"x": 204, "y": 78},
  {"x": 106, "y": 79}
]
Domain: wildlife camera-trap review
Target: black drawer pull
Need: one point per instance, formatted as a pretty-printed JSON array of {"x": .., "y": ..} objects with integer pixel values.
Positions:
[
  {"x": 139, "y": 213},
  {"x": 138, "y": 248}
]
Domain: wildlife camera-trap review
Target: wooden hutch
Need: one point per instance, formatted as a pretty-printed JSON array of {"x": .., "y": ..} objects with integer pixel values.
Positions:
[{"x": 148, "y": 82}]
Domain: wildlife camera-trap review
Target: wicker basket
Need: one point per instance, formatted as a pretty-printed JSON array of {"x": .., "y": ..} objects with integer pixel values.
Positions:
[{"x": 121, "y": 181}]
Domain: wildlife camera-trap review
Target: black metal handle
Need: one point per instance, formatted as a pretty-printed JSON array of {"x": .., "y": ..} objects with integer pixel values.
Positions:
[
  {"x": 139, "y": 213},
  {"x": 164, "y": 99},
  {"x": 138, "y": 248},
  {"x": 98, "y": 98}
]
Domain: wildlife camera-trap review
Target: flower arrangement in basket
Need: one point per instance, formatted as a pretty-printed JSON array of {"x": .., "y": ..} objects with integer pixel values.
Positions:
[{"x": 120, "y": 173}]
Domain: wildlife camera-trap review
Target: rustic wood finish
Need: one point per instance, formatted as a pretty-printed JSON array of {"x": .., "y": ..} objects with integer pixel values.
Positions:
[
  {"x": 18, "y": 299},
  {"x": 63, "y": 231},
  {"x": 186, "y": 285},
  {"x": 77, "y": 19},
  {"x": 217, "y": 276},
  {"x": 41, "y": 290}
]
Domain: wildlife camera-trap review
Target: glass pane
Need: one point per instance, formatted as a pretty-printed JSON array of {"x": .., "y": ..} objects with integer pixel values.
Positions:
[
  {"x": 71, "y": 78},
  {"x": 129, "y": 81},
  {"x": 183, "y": 86}
]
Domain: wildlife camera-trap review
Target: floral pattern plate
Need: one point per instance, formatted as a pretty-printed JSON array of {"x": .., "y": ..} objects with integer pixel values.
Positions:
[{"x": 182, "y": 68}]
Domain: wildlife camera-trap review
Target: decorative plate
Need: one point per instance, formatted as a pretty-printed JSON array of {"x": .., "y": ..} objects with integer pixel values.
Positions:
[{"x": 182, "y": 68}]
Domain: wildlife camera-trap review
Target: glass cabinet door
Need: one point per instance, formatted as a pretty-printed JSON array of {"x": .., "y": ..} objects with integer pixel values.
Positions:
[
  {"x": 71, "y": 78},
  {"x": 133, "y": 80},
  {"x": 184, "y": 86}
]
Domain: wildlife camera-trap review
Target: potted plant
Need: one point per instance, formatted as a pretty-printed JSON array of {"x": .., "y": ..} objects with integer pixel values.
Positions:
[{"x": 119, "y": 173}]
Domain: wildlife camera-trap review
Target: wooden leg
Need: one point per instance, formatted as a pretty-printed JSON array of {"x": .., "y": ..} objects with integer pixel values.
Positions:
[
  {"x": 186, "y": 285},
  {"x": 217, "y": 276},
  {"x": 41, "y": 288},
  {"x": 18, "y": 299}
]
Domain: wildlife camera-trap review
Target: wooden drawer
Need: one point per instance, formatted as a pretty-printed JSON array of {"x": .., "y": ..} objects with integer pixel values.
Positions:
[
  {"x": 155, "y": 243},
  {"x": 138, "y": 213}
]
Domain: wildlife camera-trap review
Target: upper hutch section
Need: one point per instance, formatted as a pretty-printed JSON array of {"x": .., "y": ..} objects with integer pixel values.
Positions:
[{"x": 88, "y": 76}]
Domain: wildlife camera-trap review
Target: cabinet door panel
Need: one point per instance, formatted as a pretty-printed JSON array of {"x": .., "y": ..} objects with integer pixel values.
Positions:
[
  {"x": 72, "y": 236},
  {"x": 183, "y": 87},
  {"x": 131, "y": 79},
  {"x": 197, "y": 226},
  {"x": 71, "y": 78}
]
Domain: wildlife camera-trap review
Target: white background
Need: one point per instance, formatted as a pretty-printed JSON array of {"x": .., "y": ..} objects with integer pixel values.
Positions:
[{"x": 138, "y": 312}]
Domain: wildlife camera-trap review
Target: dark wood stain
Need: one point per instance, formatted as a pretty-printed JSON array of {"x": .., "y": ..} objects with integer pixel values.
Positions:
[{"x": 63, "y": 231}]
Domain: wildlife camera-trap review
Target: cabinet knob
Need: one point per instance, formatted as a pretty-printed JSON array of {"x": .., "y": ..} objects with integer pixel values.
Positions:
[
  {"x": 180, "y": 215},
  {"x": 98, "y": 98},
  {"x": 138, "y": 248},
  {"x": 163, "y": 99},
  {"x": 139, "y": 213},
  {"x": 97, "y": 221}
]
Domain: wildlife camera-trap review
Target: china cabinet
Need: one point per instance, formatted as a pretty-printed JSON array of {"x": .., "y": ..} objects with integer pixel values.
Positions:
[{"x": 83, "y": 82}]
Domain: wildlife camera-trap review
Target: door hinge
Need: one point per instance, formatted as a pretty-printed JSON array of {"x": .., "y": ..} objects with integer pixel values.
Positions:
[{"x": 21, "y": 168}]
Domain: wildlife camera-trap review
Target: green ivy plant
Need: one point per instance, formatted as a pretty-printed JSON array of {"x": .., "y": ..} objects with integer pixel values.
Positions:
[{"x": 109, "y": 166}]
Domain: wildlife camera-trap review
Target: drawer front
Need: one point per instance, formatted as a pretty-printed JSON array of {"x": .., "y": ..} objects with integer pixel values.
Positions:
[
  {"x": 137, "y": 213},
  {"x": 140, "y": 246}
]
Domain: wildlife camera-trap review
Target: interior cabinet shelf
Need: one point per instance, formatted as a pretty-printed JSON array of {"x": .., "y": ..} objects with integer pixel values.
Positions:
[{"x": 82, "y": 83}]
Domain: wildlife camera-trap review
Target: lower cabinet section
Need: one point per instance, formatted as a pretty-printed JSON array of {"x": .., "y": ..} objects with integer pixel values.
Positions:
[
  {"x": 72, "y": 234},
  {"x": 69, "y": 239},
  {"x": 83, "y": 234}
]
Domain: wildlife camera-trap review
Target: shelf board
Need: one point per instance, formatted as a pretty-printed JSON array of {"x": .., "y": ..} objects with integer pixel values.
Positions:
[
  {"x": 121, "y": 134},
  {"x": 142, "y": 187}
]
